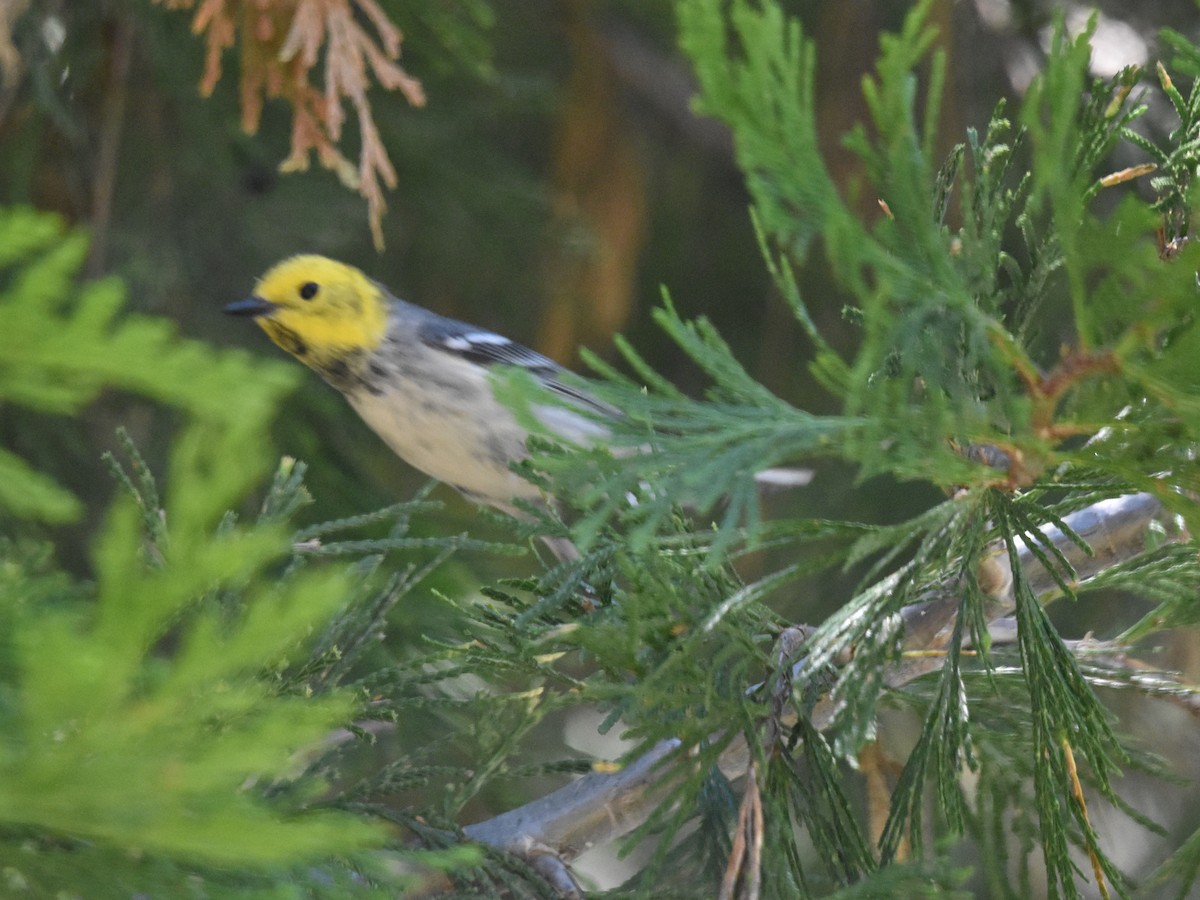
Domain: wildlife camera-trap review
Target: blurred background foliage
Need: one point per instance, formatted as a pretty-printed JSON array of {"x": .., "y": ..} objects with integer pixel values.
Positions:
[{"x": 552, "y": 182}]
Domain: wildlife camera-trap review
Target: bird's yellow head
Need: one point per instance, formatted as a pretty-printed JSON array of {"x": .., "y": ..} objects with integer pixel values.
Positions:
[{"x": 317, "y": 309}]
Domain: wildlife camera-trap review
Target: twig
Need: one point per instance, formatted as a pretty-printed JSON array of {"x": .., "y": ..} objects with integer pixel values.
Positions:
[
  {"x": 108, "y": 151},
  {"x": 1116, "y": 530},
  {"x": 876, "y": 768},
  {"x": 745, "y": 860},
  {"x": 1081, "y": 801},
  {"x": 596, "y": 809}
]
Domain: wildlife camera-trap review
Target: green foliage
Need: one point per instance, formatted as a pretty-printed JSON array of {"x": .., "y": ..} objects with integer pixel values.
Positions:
[
  {"x": 183, "y": 707},
  {"x": 65, "y": 343},
  {"x": 1176, "y": 162},
  {"x": 122, "y": 747},
  {"x": 211, "y": 658},
  {"x": 168, "y": 723},
  {"x": 951, "y": 383}
]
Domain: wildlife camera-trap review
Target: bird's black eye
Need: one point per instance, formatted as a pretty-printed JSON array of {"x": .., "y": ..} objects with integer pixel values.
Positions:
[{"x": 309, "y": 289}]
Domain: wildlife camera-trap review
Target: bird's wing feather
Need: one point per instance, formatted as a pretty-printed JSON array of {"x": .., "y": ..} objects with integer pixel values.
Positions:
[{"x": 486, "y": 348}]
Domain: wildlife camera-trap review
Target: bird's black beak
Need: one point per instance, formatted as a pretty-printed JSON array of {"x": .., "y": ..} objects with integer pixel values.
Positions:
[{"x": 251, "y": 306}]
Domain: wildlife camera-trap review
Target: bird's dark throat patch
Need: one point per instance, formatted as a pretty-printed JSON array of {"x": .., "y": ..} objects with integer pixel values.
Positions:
[
  {"x": 348, "y": 372},
  {"x": 287, "y": 339}
]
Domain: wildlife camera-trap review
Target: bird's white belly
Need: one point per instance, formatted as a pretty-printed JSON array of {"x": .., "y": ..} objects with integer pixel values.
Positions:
[{"x": 463, "y": 445}]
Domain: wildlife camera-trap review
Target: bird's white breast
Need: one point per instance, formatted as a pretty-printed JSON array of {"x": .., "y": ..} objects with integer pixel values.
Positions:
[{"x": 452, "y": 430}]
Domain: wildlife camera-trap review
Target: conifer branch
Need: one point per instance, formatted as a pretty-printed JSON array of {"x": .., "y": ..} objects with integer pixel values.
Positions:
[
  {"x": 602, "y": 807},
  {"x": 1116, "y": 530}
]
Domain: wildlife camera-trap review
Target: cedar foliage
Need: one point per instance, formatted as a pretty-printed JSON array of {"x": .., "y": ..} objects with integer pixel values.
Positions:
[
  {"x": 949, "y": 385},
  {"x": 179, "y": 721}
]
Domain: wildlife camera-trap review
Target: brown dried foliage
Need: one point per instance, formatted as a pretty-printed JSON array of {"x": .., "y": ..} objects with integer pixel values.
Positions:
[{"x": 281, "y": 43}]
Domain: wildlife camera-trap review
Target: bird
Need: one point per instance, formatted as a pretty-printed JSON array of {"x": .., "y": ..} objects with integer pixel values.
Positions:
[{"x": 421, "y": 381}]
